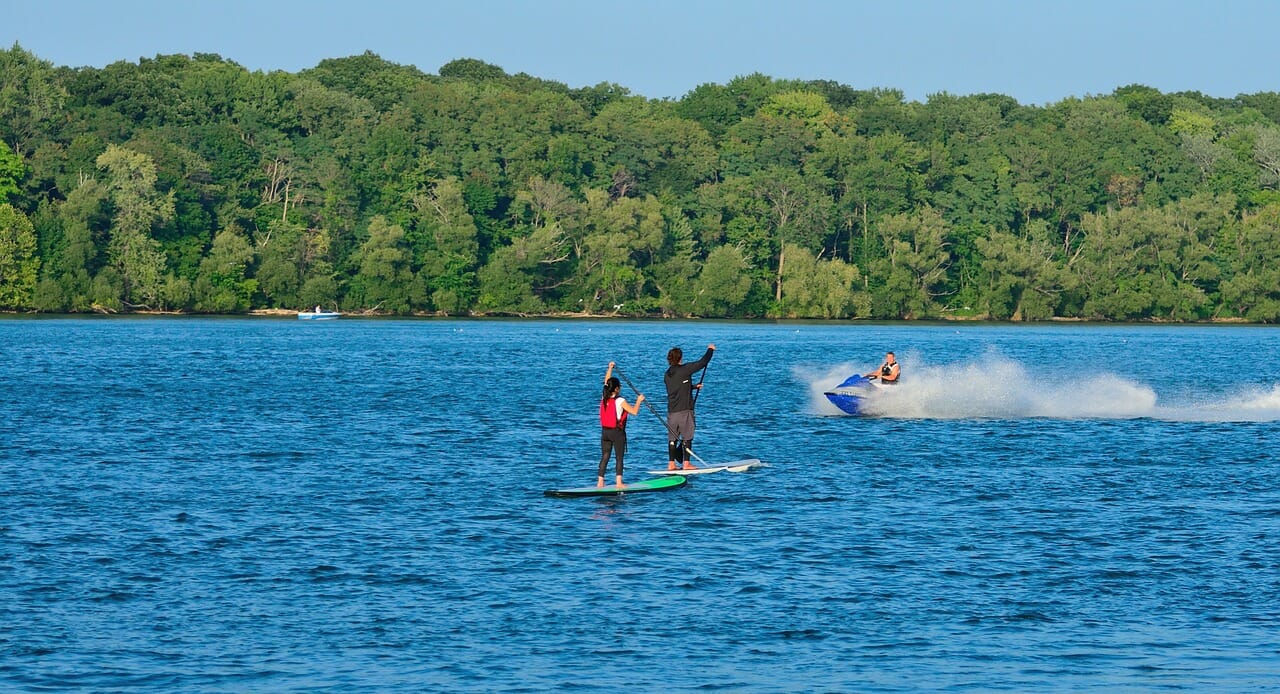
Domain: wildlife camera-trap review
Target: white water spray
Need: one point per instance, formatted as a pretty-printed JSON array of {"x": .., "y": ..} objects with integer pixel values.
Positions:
[{"x": 998, "y": 387}]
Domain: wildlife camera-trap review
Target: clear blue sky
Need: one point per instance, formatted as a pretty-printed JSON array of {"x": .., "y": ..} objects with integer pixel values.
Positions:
[{"x": 1035, "y": 51}]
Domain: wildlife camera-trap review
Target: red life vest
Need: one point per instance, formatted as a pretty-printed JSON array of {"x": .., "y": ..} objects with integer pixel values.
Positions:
[{"x": 609, "y": 415}]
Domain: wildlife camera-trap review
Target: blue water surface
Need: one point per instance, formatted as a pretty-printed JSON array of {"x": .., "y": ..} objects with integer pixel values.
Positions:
[{"x": 249, "y": 504}]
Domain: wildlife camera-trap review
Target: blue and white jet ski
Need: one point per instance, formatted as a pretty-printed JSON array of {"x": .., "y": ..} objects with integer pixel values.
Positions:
[{"x": 851, "y": 395}]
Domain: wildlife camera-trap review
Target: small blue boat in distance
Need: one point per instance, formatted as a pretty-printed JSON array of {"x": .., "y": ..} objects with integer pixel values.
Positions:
[
  {"x": 850, "y": 396},
  {"x": 317, "y": 314}
]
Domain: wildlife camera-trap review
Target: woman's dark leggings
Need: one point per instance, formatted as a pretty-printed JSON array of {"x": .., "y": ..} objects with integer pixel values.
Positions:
[{"x": 611, "y": 440}]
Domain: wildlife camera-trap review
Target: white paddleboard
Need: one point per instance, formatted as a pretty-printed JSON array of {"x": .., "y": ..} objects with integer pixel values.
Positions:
[{"x": 735, "y": 466}]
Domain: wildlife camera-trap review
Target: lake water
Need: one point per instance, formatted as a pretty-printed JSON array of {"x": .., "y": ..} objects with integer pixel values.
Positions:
[{"x": 236, "y": 504}]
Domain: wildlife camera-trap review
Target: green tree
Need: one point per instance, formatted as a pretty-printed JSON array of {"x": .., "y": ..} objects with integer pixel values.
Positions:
[
  {"x": 1190, "y": 264},
  {"x": 712, "y": 106},
  {"x": 507, "y": 279},
  {"x": 674, "y": 274},
  {"x": 1153, "y": 262},
  {"x": 367, "y": 76},
  {"x": 724, "y": 282},
  {"x": 906, "y": 280},
  {"x": 279, "y": 264},
  {"x": 1023, "y": 278},
  {"x": 518, "y": 194},
  {"x": 594, "y": 99},
  {"x": 718, "y": 107},
  {"x": 106, "y": 290},
  {"x": 648, "y": 150},
  {"x": 31, "y": 98},
  {"x": 1146, "y": 103},
  {"x": 883, "y": 176},
  {"x": 1118, "y": 263},
  {"x": 1253, "y": 245},
  {"x": 472, "y": 69},
  {"x": 18, "y": 261},
  {"x": 384, "y": 276},
  {"x": 786, "y": 131},
  {"x": 69, "y": 237},
  {"x": 1067, "y": 162},
  {"x": 779, "y": 208},
  {"x": 58, "y": 168},
  {"x": 446, "y": 247},
  {"x": 1266, "y": 154},
  {"x": 319, "y": 281},
  {"x": 620, "y": 239},
  {"x": 12, "y": 171},
  {"x": 541, "y": 257},
  {"x": 327, "y": 112},
  {"x": 223, "y": 285},
  {"x": 817, "y": 288},
  {"x": 131, "y": 186},
  {"x": 1184, "y": 121}
]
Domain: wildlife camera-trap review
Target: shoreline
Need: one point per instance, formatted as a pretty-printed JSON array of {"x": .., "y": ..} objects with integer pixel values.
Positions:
[{"x": 583, "y": 315}]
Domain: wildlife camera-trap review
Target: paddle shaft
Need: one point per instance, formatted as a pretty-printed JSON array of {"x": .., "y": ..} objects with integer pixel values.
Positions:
[
  {"x": 621, "y": 373},
  {"x": 698, "y": 389}
]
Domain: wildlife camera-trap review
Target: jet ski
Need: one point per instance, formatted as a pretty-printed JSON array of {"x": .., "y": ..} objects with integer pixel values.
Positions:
[{"x": 851, "y": 395}]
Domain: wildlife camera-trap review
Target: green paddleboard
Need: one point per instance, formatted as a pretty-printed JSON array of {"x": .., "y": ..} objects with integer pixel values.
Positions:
[{"x": 659, "y": 484}]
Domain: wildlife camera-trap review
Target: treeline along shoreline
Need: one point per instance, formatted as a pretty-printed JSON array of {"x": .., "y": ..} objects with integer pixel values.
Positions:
[{"x": 190, "y": 184}]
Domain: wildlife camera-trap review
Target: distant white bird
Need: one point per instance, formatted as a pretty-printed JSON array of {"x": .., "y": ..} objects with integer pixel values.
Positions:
[{"x": 617, "y": 306}]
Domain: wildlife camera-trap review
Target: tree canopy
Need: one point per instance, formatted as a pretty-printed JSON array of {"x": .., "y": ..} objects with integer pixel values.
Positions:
[{"x": 188, "y": 183}]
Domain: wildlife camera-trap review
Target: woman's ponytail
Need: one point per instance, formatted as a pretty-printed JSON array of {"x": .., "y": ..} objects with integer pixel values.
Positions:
[{"x": 611, "y": 388}]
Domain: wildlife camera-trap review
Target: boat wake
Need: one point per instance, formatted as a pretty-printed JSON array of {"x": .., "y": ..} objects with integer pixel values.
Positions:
[{"x": 1001, "y": 388}]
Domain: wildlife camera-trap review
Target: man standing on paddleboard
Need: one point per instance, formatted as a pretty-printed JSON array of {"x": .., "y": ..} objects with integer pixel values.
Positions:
[{"x": 680, "y": 400}]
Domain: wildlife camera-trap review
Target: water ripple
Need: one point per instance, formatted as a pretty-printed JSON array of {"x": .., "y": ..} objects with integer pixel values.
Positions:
[{"x": 244, "y": 505}]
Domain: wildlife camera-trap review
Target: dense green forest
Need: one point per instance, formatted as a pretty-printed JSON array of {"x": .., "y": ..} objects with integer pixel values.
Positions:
[{"x": 188, "y": 183}]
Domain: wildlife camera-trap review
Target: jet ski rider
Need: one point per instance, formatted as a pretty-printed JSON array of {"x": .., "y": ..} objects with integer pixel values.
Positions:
[{"x": 888, "y": 372}]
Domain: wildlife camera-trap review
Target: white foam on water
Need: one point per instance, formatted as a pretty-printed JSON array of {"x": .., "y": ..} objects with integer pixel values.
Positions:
[
  {"x": 998, "y": 387},
  {"x": 1247, "y": 404}
]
